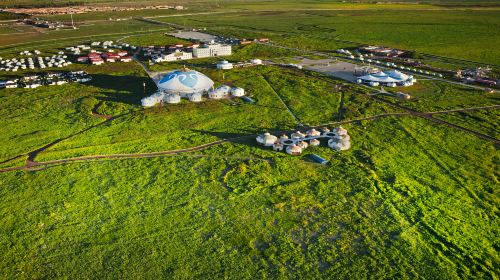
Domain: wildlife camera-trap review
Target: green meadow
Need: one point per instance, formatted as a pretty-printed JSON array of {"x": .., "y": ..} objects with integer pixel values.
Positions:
[
  {"x": 400, "y": 204},
  {"x": 438, "y": 32},
  {"x": 411, "y": 199}
]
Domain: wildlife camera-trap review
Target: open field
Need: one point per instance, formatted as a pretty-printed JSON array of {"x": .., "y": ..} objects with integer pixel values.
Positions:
[
  {"x": 487, "y": 122},
  {"x": 373, "y": 213},
  {"x": 96, "y": 186},
  {"x": 427, "y": 31},
  {"x": 433, "y": 95},
  {"x": 87, "y": 31}
]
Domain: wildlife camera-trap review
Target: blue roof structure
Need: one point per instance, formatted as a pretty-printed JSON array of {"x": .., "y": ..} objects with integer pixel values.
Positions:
[{"x": 318, "y": 159}]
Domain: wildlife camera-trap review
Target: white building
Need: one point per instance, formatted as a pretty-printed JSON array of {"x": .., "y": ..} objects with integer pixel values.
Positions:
[
  {"x": 177, "y": 55},
  {"x": 212, "y": 50},
  {"x": 391, "y": 78},
  {"x": 185, "y": 82},
  {"x": 177, "y": 84}
]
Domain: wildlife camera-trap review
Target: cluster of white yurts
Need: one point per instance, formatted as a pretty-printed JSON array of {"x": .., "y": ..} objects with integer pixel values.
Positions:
[
  {"x": 190, "y": 84},
  {"x": 338, "y": 139},
  {"x": 42, "y": 62}
]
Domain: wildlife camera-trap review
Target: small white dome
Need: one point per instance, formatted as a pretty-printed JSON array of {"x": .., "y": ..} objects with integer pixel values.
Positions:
[
  {"x": 237, "y": 91},
  {"x": 294, "y": 150},
  {"x": 256, "y": 61},
  {"x": 172, "y": 98},
  {"x": 267, "y": 139}
]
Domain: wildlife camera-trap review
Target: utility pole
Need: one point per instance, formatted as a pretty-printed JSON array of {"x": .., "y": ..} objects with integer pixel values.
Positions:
[{"x": 72, "y": 22}]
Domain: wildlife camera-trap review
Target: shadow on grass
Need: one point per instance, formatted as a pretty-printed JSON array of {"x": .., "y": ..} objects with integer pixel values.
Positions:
[
  {"x": 125, "y": 89},
  {"x": 246, "y": 137}
]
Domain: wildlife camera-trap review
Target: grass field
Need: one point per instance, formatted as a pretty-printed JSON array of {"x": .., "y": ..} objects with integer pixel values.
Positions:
[
  {"x": 429, "y": 95},
  {"x": 486, "y": 122},
  {"x": 374, "y": 212},
  {"x": 413, "y": 198},
  {"x": 425, "y": 31}
]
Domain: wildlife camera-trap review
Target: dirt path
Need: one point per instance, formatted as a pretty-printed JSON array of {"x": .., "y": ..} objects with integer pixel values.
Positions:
[
  {"x": 96, "y": 114},
  {"x": 283, "y": 102},
  {"x": 429, "y": 116},
  {"x": 33, "y": 165}
]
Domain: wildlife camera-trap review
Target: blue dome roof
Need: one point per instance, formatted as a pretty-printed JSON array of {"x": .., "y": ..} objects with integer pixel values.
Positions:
[{"x": 185, "y": 81}]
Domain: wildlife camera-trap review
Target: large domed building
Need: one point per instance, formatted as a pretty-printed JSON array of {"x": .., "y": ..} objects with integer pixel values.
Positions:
[
  {"x": 188, "y": 84},
  {"x": 388, "y": 78},
  {"x": 185, "y": 82}
]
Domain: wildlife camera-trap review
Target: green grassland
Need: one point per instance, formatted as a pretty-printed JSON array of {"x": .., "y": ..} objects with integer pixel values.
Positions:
[
  {"x": 380, "y": 210},
  {"x": 189, "y": 124},
  {"x": 410, "y": 199},
  {"x": 443, "y": 32},
  {"x": 430, "y": 95},
  {"x": 34, "y": 118},
  {"x": 486, "y": 122},
  {"x": 103, "y": 29}
]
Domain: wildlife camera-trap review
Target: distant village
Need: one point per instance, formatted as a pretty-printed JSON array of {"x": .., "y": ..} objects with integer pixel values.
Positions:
[{"x": 85, "y": 9}]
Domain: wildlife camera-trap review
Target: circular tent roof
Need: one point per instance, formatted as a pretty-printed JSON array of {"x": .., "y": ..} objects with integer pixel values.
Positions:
[
  {"x": 393, "y": 76},
  {"x": 185, "y": 81}
]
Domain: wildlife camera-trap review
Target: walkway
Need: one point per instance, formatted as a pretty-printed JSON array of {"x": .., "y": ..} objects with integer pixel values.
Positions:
[
  {"x": 33, "y": 165},
  {"x": 283, "y": 102}
]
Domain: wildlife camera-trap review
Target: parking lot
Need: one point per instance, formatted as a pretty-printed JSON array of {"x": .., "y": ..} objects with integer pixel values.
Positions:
[{"x": 339, "y": 69}]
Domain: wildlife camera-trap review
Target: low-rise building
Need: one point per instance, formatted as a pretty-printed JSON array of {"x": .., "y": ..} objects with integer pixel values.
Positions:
[
  {"x": 209, "y": 50},
  {"x": 126, "y": 59},
  {"x": 177, "y": 55}
]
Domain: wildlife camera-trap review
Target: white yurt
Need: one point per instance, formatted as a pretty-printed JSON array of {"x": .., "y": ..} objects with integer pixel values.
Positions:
[
  {"x": 214, "y": 94},
  {"x": 224, "y": 65},
  {"x": 172, "y": 98},
  {"x": 314, "y": 142},
  {"x": 278, "y": 147},
  {"x": 238, "y": 92},
  {"x": 195, "y": 97},
  {"x": 313, "y": 132},
  {"x": 267, "y": 139},
  {"x": 298, "y": 135},
  {"x": 152, "y": 100},
  {"x": 256, "y": 61},
  {"x": 293, "y": 150},
  {"x": 339, "y": 144},
  {"x": 303, "y": 144}
]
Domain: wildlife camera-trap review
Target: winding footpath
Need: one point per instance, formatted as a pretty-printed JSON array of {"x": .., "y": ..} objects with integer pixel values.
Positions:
[{"x": 32, "y": 165}]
